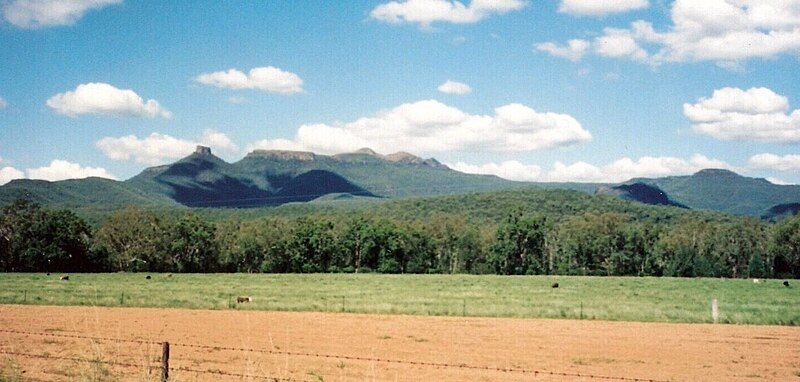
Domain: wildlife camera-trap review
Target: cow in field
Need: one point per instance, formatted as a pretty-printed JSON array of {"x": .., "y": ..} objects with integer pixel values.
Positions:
[{"x": 242, "y": 299}]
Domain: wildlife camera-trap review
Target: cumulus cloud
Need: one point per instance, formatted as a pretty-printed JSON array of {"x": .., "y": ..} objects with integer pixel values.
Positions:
[
  {"x": 512, "y": 170},
  {"x": 573, "y": 51},
  {"x": 779, "y": 181},
  {"x": 723, "y": 31},
  {"x": 431, "y": 126},
  {"x": 160, "y": 148},
  {"x": 425, "y": 12},
  {"x": 60, "y": 170},
  {"x": 600, "y": 8},
  {"x": 101, "y": 98},
  {"x": 9, "y": 173},
  {"x": 619, "y": 43},
  {"x": 3, "y": 103},
  {"x": 776, "y": 162},
  {"x": 756, "y": 114},
  {"x": 268, "y": 79},
  {"x": 453, "y": 87},
  {"x": 32, "y": 14},
  {"x": 619, "y": 170}
]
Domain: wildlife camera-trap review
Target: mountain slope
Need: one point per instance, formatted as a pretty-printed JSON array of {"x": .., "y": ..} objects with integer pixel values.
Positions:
[
  {"x": 640, "y": 192},
  {"x": 76, "y": 193},
  {"x": 395, "y": 175},
  {"x": 725, "y": 191}
]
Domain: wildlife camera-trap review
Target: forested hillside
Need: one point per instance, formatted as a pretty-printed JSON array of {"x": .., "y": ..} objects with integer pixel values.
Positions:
[
  {"x": 725, "y": 191},
  {"x": 582, "y": 236}
]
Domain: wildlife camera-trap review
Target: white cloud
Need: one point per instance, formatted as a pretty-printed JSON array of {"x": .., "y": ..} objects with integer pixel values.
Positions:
[
  {"x": 61, "y": 169},
  {"x": 724, "y": 31},
  {"x": 431, "y": 126},
  {"x": 32, "y": 14},
  {"x": 573, "y": 51},
  {"x": 619, "y": 43},
  {"x": 619, "y": 170},
  {"x": 512, "y": 170},
  {"x": 600, "y": 7},
  {"x": 160, "y": 148},
  {"x": 756, "y": 114},
  {"x": 8, "y": 174},
  {"x": 218, "y": 141},
  {"x": 3, "y": 103},
  {"x": 425, "y": 12},
  {"x": 100, "y": 98},
  {"x": 453, "y": 87},
  {"x": 268, "y": 79},
  {"x": 776, "y": 162},
  {"x": 779, "y": 181}
]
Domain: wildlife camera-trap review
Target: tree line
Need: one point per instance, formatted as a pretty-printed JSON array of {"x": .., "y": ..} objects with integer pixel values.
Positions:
[{"x": 38, "y": 239}]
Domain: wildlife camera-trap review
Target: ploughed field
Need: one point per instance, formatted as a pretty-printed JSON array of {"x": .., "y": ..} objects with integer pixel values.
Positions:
[
  {"x": 97, "y": 344},
  {"x": 644, "y": 299}
]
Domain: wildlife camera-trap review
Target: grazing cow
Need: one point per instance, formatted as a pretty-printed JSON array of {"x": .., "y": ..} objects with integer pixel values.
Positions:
[
  {"x": 48, "y": 273},
  {"x": 65, "y": 278},
  {"x": 169, "y": 275},
  {"x": 147, "y": 277},
  {"x": 786, "y": 283},
  {"x": 242, "y": 299},
  {"x": 756, "y": 281},
  {"x": 555, "y": 285}
]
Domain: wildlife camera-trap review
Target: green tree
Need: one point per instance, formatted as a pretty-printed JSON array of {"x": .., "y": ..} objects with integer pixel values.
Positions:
[
  {"x": 36, "y": 239},
  {"x": 785, "y": 247},
  {"x": 519, "y": 246},
  {"x": 135, "y": 240},
  {"x": 193, "y": 247}
]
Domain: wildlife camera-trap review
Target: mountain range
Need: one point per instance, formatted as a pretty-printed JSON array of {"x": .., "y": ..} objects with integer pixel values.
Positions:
[{"x": 271, "y": 178}]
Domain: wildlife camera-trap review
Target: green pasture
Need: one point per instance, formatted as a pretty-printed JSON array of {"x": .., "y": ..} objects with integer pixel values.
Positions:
[{"x": 578, "y": 297}]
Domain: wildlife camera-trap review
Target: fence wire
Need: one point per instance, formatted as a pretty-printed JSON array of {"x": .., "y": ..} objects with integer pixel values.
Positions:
[{"x": 462, "y": 366}]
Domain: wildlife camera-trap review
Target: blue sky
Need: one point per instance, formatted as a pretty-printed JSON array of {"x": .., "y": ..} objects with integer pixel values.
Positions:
[{"x": 625, "y": 101}]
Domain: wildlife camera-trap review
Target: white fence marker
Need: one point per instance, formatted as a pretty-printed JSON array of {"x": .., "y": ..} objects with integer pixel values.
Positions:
[{"x": 714, "y": 310}]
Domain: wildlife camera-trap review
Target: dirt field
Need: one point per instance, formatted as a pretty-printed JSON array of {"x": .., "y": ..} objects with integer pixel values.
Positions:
[{"x": 359, "y": 347}]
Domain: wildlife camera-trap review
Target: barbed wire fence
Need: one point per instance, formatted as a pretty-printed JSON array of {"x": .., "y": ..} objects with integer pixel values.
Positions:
[{"x": 165, "y": 370}]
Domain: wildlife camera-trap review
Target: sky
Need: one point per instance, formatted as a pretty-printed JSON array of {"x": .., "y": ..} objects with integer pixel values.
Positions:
[{"x": 557, "y": 90}]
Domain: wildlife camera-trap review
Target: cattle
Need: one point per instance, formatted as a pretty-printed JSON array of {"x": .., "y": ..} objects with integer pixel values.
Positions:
[
  {"x": 64, "y": 278},
  {"x": 786, "y": 283},
  {"x": 555, "y": 285},
  {"x": 147, "y": 277},
  {"x": 756, "y": 281},
  {"x": 242, "y": 299}
]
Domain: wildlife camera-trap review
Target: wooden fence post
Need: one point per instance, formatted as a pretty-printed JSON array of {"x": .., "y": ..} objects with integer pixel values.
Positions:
[
  {"x": 165, "y": 362},
  {"x": 714, "y": 310}
]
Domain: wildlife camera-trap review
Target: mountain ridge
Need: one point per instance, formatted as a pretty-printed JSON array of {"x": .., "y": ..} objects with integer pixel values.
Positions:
[{"x": 273, "y": 177}]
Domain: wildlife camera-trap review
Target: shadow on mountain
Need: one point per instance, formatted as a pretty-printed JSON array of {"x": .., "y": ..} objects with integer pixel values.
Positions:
[
  {"x": 235, "y": 193},
  {"x": 642, "y": 193},
  {"x": 780, "y": 211},
  {"x": 315, "y": 183}
]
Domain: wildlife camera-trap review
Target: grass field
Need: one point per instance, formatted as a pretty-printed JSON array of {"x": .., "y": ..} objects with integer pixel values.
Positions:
[{"x": 603, "y": 298}]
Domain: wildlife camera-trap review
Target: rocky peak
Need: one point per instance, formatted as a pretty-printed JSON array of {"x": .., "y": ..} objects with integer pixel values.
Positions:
[
  {"x": 283, "y": 155},
  {"x": 404, "y": 157},
  {"x": 368, "y": 151},
  {"x": 202, "y": 150},
  {"x": 716, "y": 172}
]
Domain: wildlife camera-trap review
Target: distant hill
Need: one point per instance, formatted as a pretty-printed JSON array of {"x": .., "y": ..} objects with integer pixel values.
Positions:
[
  {"x": 262, "y": 178},
  {"x": 725, "y": 191},
  {"x": 640, "y": 192},
  {"x": 77, "y": 193},
  {"x": 268, "y": 178},
  {"x": 781, "y": 211}
]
